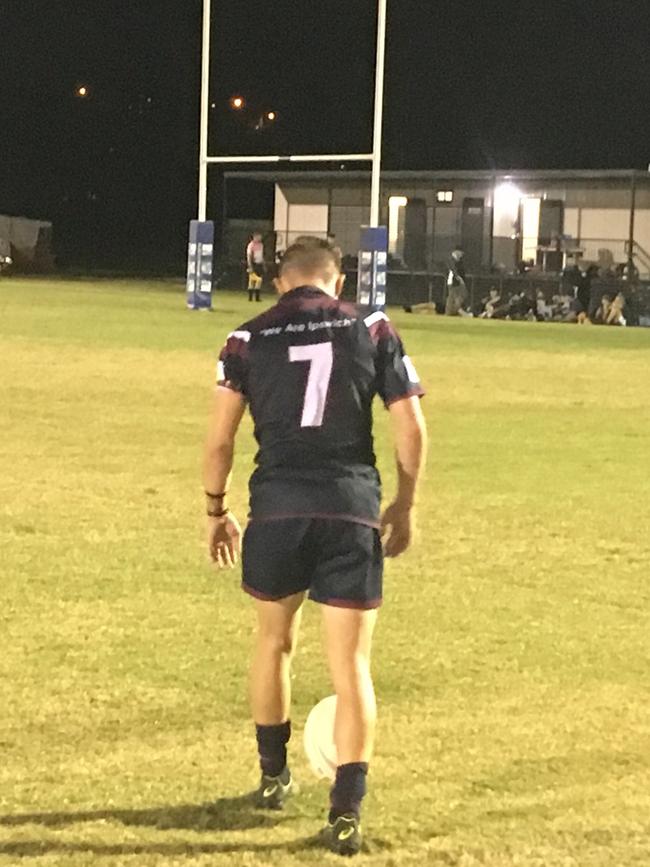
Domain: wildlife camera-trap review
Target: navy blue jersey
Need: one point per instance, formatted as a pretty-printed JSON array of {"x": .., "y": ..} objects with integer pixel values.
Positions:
[{"x": 310, "y": 368}]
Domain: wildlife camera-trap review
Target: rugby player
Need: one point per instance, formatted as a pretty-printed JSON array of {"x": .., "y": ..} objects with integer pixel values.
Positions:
[
  {"x": 255, "y": 266},
  {"x": 309, "y": 369}
]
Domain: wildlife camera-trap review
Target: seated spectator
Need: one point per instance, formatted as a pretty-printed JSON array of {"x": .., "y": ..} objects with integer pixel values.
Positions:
[
  {"x": 602, "y": 311},
  {"x": 521, "y": 307},
  {"x": 543, "y": 309},
  {"x": 615, "y": 313},
  {"x": 561, "y": 309},
  {"x": 426, "y": 307},
  {"x": 490, "y": 304}
]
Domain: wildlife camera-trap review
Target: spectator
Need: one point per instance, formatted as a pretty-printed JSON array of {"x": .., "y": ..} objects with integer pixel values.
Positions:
[
  {"x": 544, "y": 311},
  {"x": 521, "y": 306},
  {"x": 581, "y": 285},
  {"x": 615, "y": 312},
  {"x": 456, "y": 285},
  {"x": 425, "y": 307},
  {"x": 561, "y": 309},
  {"x": 490, "y": 303},
  {"x": 602, "y": 311}
]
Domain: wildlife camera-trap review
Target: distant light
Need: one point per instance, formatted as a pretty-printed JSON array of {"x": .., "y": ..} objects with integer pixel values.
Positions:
[
  {"x": 237, "y": 103},
  {"x": 82, "y": 91},
  {"x": 508, "y": 193},
  {"x": 213, "y": 105},
  {"x": 271, "y": 116},
  {"x": 507, "y": 201}
]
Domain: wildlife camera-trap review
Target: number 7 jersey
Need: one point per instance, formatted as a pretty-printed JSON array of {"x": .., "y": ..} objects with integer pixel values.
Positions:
[{"x": 310, "y": 368}]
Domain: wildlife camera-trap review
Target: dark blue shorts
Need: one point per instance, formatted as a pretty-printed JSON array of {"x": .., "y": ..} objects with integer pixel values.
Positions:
[{"x": 337, "y": 562}]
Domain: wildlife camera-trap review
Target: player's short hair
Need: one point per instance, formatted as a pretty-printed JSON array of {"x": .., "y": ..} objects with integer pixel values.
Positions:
[{"x": 313, "y": 257}]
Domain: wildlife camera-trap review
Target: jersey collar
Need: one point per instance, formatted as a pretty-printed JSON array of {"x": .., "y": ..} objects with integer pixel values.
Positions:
[{"x": 303, "y": 292}]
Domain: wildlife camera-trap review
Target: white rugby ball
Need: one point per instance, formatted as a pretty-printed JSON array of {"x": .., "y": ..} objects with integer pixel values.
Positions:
[{"x": 319, "y": 739}]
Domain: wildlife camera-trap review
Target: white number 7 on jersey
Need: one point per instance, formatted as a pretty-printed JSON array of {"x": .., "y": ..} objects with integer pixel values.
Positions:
[{"x": 321, "y": 358}]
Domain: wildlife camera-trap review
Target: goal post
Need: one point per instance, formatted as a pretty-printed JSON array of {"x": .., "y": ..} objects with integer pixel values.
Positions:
[{"x": 373, "y": 243}]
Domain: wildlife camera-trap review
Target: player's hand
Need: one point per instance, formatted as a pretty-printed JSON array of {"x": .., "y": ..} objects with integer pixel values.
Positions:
[
  {"x": 224, "y": 541},
  {"x": 397, "y": 529}
]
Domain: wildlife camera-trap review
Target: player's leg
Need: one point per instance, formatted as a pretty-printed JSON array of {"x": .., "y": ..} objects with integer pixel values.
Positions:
[
  {"x": 272, "y": 575},
  {"x": 348, "y": 634},
  {"x": 349, "y": 585},
  {"x": 270, "y": 687},
  {"x": 277, "y": 632},
  {"x": 251, "y": 284}
]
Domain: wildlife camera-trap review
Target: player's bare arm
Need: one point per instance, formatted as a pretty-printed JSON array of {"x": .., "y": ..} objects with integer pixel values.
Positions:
[
  {"x": 223, "y": 531},
  {"x": 409, "y": 434}
]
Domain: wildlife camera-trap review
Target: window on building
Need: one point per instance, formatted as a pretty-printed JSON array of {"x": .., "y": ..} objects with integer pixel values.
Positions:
[{"x": 445, "y": 196}]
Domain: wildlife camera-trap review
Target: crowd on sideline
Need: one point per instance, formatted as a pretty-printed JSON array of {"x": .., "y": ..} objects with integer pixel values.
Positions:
[
  {"x": 579, "y": 297},
  {"x": 578, "y": 300}
]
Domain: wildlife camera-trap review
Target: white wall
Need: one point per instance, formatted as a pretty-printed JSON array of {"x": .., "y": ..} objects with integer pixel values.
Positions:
[
  {"x": 292, "y": 220},
  {"x": 612, "y": 225},
  {"x": 604, "y": 229},
  {"x": 307, "y": 220},
  {"x": 281, "y": 222}
]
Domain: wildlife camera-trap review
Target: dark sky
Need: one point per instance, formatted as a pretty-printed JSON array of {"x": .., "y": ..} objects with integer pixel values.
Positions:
[{"x": 470, "y": 84}]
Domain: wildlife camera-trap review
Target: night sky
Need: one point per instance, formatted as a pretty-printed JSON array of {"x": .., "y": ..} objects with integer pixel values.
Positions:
[{"x": 470, "y": 84}]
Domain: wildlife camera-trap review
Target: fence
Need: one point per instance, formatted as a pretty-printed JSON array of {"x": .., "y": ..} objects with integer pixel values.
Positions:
[{"x": 410, "y": 288}]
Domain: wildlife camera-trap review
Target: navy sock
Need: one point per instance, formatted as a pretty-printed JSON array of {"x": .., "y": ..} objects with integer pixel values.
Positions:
[
  {"x": 272, "y": 746},
  {"x": 349, "y": 790}
]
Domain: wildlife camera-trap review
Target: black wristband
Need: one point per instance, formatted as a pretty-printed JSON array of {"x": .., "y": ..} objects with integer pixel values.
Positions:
[
  {"x": 216, "y": 496},
  {"x": 220, "y": 514}
]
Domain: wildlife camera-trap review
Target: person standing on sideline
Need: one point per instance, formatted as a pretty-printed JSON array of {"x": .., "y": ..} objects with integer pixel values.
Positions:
[
  {"x": 255, "y": 266},
  {"x": 456, "y": 285},
  {"x": 309, "y": 369}
]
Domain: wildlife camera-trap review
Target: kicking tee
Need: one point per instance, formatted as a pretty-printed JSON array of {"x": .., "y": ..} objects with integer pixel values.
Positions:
[{"x": 310, "y": 368}]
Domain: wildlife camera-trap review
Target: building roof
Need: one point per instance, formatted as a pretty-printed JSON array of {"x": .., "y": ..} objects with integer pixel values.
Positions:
[{"x": 439, "y": 174}]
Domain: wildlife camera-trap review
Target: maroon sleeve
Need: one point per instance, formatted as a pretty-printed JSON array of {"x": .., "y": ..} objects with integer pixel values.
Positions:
[
  {"x": 397, "y": 377},
  {"x": 232, "y": 368}
]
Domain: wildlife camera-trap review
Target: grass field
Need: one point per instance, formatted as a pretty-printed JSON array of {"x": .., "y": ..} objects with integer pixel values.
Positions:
[{"x": 513, "y": 654}]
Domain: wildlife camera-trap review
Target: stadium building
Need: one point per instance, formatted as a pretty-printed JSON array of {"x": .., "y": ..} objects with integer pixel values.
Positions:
[{"x": 543, "y": 219}]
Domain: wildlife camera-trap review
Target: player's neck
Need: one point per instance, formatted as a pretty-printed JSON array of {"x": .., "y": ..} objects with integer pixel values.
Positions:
[{"x": 312, "y": 284}]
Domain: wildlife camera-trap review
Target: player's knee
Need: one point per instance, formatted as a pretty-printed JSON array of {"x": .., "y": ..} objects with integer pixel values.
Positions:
[{"x": 277, "y": 643}]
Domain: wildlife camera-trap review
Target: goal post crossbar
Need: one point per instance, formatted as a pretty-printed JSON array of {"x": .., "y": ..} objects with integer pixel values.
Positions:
[
  {"x": 375, "y": 158},
  {"x": 299, "y": 158}
]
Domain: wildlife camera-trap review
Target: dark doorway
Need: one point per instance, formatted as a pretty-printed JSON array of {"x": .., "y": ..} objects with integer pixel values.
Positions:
[
  {"x": 415, "y": 235},
  {"x": 473, "y": 233},
  {"x": 551, "y": 227}
]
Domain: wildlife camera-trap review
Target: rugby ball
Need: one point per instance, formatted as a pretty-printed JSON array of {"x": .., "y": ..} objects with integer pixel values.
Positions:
[{"x": 319, "y": 739}]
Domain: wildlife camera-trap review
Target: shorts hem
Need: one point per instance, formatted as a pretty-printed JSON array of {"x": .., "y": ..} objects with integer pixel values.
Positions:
[
  {"x": 352, "y": 604},
  {"x": 265, "y": 597}
]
